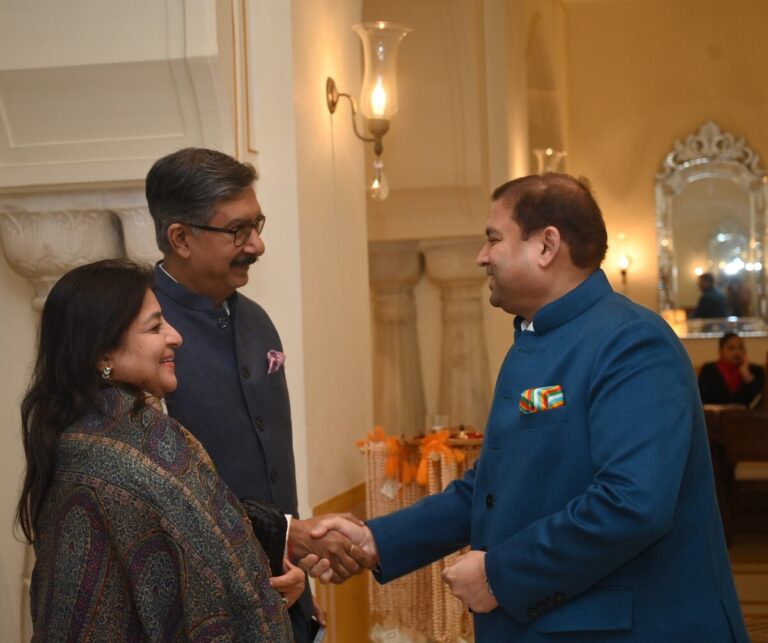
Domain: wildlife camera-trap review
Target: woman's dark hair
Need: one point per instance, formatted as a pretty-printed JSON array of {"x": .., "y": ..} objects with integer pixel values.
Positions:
[
  {"x": 722, "y": 341},
  {"x": 85, "y": 315}
]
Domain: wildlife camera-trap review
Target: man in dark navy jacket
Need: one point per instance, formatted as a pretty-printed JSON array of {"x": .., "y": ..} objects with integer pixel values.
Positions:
[
  {"x": 232, "y": 393},
  {"x": 591, "y": 512}
]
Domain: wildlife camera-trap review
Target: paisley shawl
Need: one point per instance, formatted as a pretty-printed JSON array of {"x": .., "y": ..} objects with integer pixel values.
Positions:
[{"x": 140, "y": 540}]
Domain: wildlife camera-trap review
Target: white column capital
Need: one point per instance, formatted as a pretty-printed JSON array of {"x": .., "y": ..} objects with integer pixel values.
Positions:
[
  {"x": 394, "y": 262},
  {"x": 453, "y": 260}
]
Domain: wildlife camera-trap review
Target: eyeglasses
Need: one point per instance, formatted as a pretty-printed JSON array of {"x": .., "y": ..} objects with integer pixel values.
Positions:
[{"x": 240, "y": 234}]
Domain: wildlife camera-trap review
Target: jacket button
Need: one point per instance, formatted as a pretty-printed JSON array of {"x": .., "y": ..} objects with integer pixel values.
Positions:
[
  {"x": 489, "y": 500},
  {"x": 259, "y": 424},
  {"x": 532, "y": 612},
  {"x": 246, "y": 373},
  {"x": 222, "y": 322},
  {"x": 273, "y": 475}
]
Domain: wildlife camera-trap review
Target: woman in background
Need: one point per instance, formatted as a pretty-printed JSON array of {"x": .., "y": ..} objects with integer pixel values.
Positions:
[
  {"x": 136, "y": 537},
  {"x": 731, "y": 379}
]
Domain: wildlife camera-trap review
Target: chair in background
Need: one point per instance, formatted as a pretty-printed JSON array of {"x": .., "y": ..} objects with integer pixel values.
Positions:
[
  {"x": 765, "y": 381},
  {"x": 745, "y": 439}
]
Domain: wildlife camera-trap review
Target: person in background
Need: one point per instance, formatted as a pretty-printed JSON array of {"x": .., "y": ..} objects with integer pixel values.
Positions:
[
  {"x": 712, "y": 302},
  {"x": 731, "y": 379},
  {"x": 739, "y": 297},
  {"x": 136, "y": 537},
  {"x": 591, "y": 512},
  {"x": 232, "y": 393}
]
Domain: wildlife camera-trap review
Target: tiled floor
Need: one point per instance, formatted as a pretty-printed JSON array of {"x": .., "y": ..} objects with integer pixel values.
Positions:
[{"x": 749, "y": 557}]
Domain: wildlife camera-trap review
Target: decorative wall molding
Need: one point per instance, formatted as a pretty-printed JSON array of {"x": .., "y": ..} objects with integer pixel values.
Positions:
[{"x": 142, "y": 80}]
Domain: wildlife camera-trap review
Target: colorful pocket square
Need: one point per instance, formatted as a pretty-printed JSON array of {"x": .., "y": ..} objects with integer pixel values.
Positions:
[
  {"x": 275, "y": 359},
  {"x": 543, "y": 398}
]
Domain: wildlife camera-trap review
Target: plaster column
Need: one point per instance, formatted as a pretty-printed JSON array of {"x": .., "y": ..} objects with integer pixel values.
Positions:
[
  {"x": 43, "y": 245},
  {"x": 465, "y": 386},
  {"x": 398, "y": 390}
]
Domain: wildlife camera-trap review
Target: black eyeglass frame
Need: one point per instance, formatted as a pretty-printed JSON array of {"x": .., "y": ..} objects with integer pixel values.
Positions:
[{"x": 258, "y": 225}]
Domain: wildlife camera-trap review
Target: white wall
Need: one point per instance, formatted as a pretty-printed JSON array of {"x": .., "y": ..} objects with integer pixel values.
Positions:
[
  {"x": 333, "y": 247},
  {"x": 313, "y": 278},
  {"x": 19, "y": 327}
]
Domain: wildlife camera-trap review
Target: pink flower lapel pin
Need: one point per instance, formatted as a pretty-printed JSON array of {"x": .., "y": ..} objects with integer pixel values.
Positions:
[{"x": 275, "y": 359}]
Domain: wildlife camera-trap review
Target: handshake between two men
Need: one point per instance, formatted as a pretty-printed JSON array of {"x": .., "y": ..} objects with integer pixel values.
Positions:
[{"x": 334, "y": 547}]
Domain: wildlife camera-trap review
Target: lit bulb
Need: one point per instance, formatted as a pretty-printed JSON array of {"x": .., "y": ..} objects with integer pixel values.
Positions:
[
  {"x": 624, "y": 262},
  {"x": 379, "y": 189},
  {"x": 378, "y": 99}
]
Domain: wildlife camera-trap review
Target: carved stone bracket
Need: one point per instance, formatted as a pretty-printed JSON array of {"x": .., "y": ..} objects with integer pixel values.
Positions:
[
  {"x": 139, "y": 234},
  {"x": 44, "y": 235},
  {"x": 465, "y": 386},
  {"x": 42, "y": 246}
]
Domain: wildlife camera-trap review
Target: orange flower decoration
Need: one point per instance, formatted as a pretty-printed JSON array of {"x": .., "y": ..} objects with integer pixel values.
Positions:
[
  {"x": 397, "y": 466},
  {"x": 436, "y": 443}
]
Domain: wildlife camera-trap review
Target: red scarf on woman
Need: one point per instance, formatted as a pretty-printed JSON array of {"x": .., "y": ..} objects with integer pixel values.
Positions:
[{"x": 731, "y": 376}]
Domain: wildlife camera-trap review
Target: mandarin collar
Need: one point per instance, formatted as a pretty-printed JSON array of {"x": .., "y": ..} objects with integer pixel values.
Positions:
[
  {"x": 569, "y": 306},
  {"x": 185, "y": 297}
]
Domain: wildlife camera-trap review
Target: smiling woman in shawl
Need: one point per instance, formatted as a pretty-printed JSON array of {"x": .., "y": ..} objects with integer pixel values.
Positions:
[{"x": 136, "y": 537}]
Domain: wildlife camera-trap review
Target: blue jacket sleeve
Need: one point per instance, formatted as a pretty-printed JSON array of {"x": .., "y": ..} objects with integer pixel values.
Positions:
[{"x": 424, "y": 532}]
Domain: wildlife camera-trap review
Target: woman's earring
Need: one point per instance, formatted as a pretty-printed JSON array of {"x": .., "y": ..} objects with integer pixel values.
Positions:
[{"x": 105, "y": 372}]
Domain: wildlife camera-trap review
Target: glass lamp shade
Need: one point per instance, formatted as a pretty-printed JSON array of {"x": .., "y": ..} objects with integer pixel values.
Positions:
[
  {"x": 548, "y": 159},
  {"x": 381, "y": 40}
]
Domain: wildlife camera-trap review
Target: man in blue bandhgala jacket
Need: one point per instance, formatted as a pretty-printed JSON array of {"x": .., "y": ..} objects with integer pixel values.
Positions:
[{"x": 591, "y": 512}]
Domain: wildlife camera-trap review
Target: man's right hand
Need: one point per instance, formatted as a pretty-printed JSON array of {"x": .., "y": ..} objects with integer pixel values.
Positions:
[
  {"x": 362, "y": 545},
  {"x": 325, "y": 551}
]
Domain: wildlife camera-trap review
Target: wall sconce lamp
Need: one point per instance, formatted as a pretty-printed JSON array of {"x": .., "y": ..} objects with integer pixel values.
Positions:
[
  {"x": 623, "y": 262},
  {"x": 378, "y": 98},
  {"x": 548, "y": 159}
]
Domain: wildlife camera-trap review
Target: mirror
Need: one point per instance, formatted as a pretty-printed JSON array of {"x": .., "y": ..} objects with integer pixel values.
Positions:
[{"x": 711, "y": 220}]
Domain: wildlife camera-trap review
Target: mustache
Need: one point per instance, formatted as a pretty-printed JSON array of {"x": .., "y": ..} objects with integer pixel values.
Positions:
[{"x": 244, "y": 260}]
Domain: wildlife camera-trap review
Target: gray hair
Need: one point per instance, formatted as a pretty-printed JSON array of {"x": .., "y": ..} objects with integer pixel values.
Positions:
[{"x": 186, "y": 186}]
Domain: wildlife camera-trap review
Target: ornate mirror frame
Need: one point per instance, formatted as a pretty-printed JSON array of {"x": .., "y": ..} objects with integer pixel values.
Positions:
[{"x": 710, "y": 153}]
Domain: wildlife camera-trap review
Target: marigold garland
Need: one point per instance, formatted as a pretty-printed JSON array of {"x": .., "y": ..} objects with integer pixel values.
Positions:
[
  {"x": 431, "y": 447},
  {"x": 397, "y": 466},
  {"x": 438, "y": 616}
]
